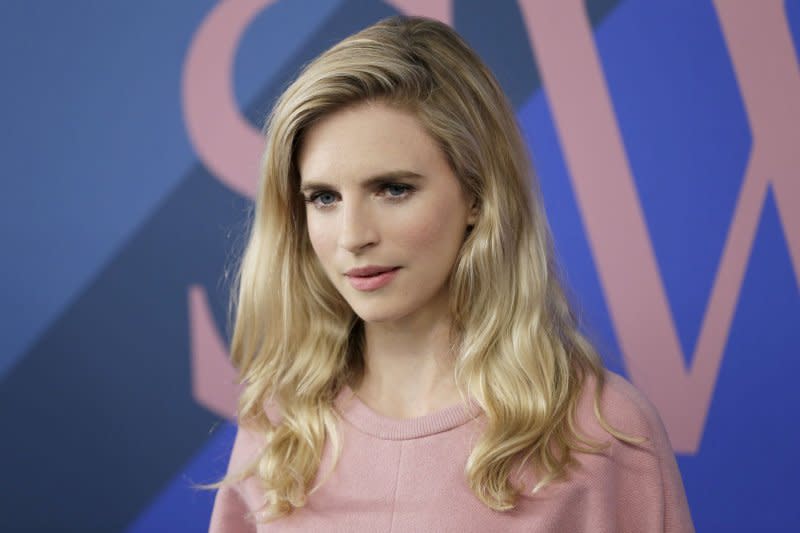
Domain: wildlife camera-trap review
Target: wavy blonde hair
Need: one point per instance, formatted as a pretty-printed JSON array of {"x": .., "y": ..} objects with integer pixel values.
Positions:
[{"x": 296, "y": 342}]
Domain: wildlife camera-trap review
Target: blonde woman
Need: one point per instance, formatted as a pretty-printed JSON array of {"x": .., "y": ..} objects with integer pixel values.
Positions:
[{"x": 409, "y": 358}]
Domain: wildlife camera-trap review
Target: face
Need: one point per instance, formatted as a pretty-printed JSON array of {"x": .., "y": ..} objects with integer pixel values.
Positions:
[{"x": 380, "y": 193}]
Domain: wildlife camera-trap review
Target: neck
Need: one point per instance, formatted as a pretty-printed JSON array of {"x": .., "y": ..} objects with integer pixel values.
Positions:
[{"x": 408, "y": 367}]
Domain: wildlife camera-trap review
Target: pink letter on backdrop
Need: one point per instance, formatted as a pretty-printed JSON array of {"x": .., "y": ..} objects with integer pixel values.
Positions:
[
  {"x": 441, "y": 10},
  {"x": 612, "y": 215},
  {"x": 213, "y": 378},
  {"x": 223, "y": 139}
]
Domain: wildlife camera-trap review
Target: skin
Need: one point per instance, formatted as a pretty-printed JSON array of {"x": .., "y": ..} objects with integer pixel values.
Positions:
[{"x": 415, "y": 223}]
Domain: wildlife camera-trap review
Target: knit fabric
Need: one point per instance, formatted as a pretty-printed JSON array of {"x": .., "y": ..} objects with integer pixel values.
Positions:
[{"x": 408, "y": 475}]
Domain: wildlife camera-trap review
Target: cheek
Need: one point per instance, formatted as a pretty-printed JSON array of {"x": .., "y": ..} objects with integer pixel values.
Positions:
[
  {"x": 437, "y": 227},
  {"x": 421, "y": 233},
  {"x": 322, "y": 238}
]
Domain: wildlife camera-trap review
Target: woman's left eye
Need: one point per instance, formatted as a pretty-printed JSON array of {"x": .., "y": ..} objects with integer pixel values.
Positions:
[{"x": 397, "y": 190}]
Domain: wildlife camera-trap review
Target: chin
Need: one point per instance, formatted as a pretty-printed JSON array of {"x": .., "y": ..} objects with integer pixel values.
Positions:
[
  {"x": 375, "y": 315},
  {"x": 376, "y": 318}
]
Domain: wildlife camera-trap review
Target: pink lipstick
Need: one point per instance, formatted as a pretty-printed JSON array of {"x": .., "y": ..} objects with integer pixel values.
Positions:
[{"x": 371, "y": 278}]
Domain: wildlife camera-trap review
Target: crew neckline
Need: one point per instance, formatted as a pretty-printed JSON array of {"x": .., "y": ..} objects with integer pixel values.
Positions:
[{"x": 366, "y": 420}]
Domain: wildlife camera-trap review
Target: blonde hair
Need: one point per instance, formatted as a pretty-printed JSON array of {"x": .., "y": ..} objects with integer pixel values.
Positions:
[{"x": 297, "y": 343}]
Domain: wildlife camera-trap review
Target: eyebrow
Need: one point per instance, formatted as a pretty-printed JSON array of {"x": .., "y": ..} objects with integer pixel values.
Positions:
[{"x": 369, "y": 182}]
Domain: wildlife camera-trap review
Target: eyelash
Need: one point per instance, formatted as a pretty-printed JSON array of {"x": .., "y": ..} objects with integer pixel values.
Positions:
[{"x": 405, "y": 190}]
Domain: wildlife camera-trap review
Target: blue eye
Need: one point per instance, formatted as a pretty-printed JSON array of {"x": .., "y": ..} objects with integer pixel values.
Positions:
[
  {"x": 397, "y": 190},
  {"x": 322, "y": 199}
]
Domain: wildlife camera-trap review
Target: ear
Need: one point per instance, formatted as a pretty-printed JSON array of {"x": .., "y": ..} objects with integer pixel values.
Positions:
[{"x": 474, "y": 211}]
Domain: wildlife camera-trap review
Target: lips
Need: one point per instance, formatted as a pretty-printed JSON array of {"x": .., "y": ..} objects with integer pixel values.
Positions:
[
  {"x": 371, "y": 278},
  {"x": 367, "y": 271}
]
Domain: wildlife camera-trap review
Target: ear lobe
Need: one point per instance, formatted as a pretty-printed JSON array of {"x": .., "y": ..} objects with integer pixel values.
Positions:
[{"x": 474, "y": 211}]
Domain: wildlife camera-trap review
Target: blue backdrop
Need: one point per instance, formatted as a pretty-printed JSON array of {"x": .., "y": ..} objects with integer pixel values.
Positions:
[{"x": 109, "y": 215}]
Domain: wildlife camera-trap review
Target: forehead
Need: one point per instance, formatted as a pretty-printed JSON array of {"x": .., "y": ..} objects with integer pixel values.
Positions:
[{"x": 366, "y": 140}]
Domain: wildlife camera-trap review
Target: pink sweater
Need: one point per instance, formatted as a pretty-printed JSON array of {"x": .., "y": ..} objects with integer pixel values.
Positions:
[{"x": 408, "y": 475}]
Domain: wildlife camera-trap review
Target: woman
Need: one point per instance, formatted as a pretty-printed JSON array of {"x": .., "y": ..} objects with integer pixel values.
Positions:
[{"x": 410, "y": 360}]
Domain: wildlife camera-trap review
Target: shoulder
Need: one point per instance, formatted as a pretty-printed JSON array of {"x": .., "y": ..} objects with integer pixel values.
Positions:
[
  {"x": 250, "y": 442},
  {"x": 624, "y": 407},
  {"x": 645, "y": 473},
  {"x": 247, "y": 446},
  {"x": 235, "y": 499}
]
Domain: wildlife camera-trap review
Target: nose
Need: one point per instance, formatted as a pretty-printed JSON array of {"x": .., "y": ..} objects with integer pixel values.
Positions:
[{"x": 357, "y": 227}]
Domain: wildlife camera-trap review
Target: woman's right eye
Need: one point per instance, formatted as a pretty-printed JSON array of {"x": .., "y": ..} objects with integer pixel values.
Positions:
[{"x": 321, "y": 199}]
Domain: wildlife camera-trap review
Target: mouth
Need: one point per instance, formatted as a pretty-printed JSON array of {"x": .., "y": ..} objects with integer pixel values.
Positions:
[
  {"x": 372, "y": 270},
  {"x": 370, "y": 280}
]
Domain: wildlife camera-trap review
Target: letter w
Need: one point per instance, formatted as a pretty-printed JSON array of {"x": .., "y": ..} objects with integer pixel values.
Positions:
[{"x": 763, "y": 57}]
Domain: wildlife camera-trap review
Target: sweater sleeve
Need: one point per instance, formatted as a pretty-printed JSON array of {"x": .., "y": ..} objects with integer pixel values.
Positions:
[
  {"x": 670, "y": 497},
  {"x": 677, "y": 518},
  {"x": 231, "y": 513}
]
